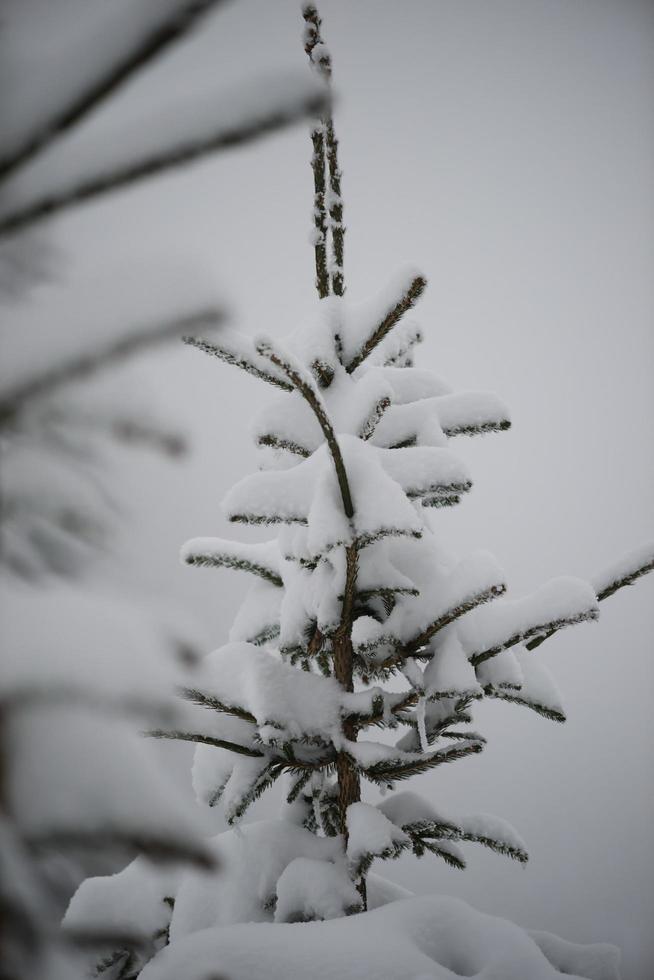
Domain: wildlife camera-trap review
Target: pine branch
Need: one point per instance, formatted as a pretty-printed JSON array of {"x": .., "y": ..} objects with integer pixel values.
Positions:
[
  {"x": 370, "y": 424},
  {"x": 263, "y": 781},
  {"x": 393, "y": 317},
  {"x": 451, "y": 857},
  {"x": 306, "y": 389},
  {"x": 215, "y": 553},
  {"x": 163, "y": 160},
  {"x": 606, "y": 584},
  {"x": 162, "y": 35},
  {"x": 265, "y": 635},
  {"x": 238, "y": 354},
  {"x": 455, "y": 612},
  {"x": 391, "y": 771},
  {"x": 210, "y": 701},
  {"x": 219, "y": 743},
  {"x": 499, "y": 425},
  {"x": 103, "y": 356},
  {"x": 544, "y": 629},
  {"x": 631, "y": 568},
  {"x": 276, "y": 442},
  {"x": 434, "y": 830},
  {"x": 514, "y": 697}
]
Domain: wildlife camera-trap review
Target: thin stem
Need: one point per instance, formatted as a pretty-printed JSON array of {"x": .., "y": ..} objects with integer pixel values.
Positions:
[{"x": 320, "y": 58}]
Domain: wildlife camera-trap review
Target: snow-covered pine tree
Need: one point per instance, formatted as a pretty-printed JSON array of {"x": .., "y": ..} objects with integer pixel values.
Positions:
[
  {"x": 356, "y": 591},
  {"x": 357, "y": 622}
]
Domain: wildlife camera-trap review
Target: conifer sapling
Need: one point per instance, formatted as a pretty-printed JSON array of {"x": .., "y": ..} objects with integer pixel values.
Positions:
[{"x": 358, "y": 620}]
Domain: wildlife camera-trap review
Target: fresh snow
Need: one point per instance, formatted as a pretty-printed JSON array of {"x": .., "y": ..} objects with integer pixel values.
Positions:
[
  {"x": 633, "y": 564},
  {"x": 428, "y": 937},
  {"x": 311, "y": 889},
  {"x": 507, "y": 621},
  {"x": 371, "y": 833},
  {"x": 132, "y": 901}
]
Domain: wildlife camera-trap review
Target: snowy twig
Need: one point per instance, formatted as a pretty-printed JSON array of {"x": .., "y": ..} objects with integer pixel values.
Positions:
[
  {"x": 162, "y": 35},
  {"x": 548, "y": 629},
  {"x": 515, "y": 697},
  {"x": 82, "y": 366},
  {"x": 449, "y": 616},
  {"x": 209, "y": 701},
  {"x": 219, "y": 743},
  {"x": 625, "y": 572},
  {"x": 275, "y": 442},
  {"x": 325, "y": 149},
  {"x": 306, "y": 389},
  {"x": 216, "y": 553},
  {"x": 238, "y": 354},
  {"x": 410, "y": 297},
  {"x": 319, "y": 214}
]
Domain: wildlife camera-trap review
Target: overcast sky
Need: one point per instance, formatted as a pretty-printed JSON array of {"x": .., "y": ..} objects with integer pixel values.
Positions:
[{"x": 506, "y": 147}]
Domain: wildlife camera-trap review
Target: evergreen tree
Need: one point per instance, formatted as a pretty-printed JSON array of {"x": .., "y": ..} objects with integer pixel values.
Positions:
[
  {"x": 355, "y": 590},
  {"x": 357, "y": 622}
]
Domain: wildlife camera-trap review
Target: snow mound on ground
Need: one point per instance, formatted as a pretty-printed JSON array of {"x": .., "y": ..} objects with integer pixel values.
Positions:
[{"x": 428, "y": 937}]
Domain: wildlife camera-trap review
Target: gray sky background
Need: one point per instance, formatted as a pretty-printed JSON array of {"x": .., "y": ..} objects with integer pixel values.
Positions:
[{"x": 506, "y": 147}]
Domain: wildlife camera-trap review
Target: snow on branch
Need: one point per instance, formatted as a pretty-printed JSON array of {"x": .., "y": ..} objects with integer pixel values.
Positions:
[
  {"x": 305, "y": 387},
  {"x": 261, "y": 559},
  {"x": 422, "y": 823},
  {"x": 469, "y": 413},
  {"x": 204, "y": 700},
  {"x": 87, "y": 363},
  {"x": 325, "y": 146},
  {"x": 184, "y": 133},
  {"x": 627, "y": 570},
  {"x": 391, "y": 309},
  {"x": 561, "y": 602},
  {"x": 203, "y": 739},
  {"x": 371, "y": 834},
  {"x": 258, "y": 619},
  {"x": 427, "y": 421},
  {"x": 518, "y": 677},
  {"x": 426, "y": 471},
  {"x": 310, "y": 889},
  {"x": 624, "y": 572},
  {"x": 234, "y": 348},
  {"x": 474, "y": 582},
  {"x": 139, "y": 51},
  {"x": 383, "y": 764}
]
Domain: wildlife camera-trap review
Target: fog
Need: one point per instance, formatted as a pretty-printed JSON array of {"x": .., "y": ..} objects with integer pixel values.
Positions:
[{"x": 507, "y": 149}]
